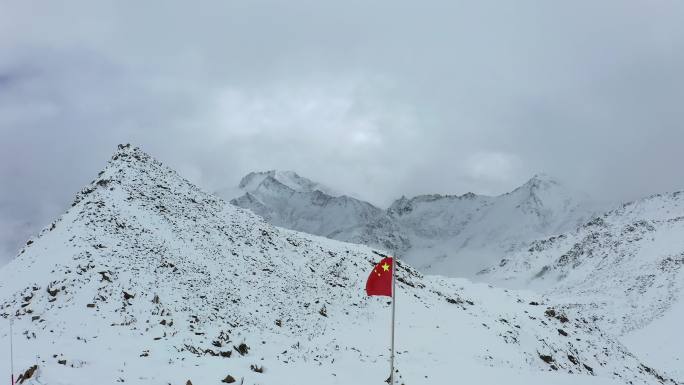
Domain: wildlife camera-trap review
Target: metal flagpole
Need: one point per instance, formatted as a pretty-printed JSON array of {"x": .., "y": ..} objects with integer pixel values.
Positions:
[
  {"x": 11, "y": 349},
  {"x": 394, "y": 303}
]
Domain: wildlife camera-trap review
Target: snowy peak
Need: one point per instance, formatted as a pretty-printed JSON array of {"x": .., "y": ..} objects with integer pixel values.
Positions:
[
  {"x": 545, "y": 191},
  {"x": 133, "y": 159},
  {"x": 547, "y": 206},
  {"x": 541, "y": 181},
  {"x": 286, "y": 199},
  {"x": 135, "y": 171},
  {"x": 400, "y": 206},
  {"x": 278, "y": 179}
]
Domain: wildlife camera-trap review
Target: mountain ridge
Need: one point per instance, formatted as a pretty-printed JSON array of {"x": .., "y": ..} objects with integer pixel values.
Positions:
[
  {"x": 445, "y": 234},
  {"x": 625, "y": 269}
]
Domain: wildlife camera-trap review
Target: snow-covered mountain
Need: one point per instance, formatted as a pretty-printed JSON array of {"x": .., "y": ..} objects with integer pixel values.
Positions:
[
  {"x": 460, "y": 235},
  {"x": 443, "y": 234},
  {"x": 146, "y": 279},
  {"x": 289, "y": 179},
  {"x": 624, "y": 269},
  {"x": 288, "y": 200}
]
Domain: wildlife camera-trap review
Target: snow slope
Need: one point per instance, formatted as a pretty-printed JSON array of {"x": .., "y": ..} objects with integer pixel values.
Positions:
[
  {"x": 442, "y": 234},
  {"x": 149, "y": 280},
  {"x": 624, "y": 268},
  {"x": 660, "y": 342}
]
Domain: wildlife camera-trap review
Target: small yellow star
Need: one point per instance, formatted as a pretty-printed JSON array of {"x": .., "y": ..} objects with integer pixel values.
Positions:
[{"x": 385, "y": 267}]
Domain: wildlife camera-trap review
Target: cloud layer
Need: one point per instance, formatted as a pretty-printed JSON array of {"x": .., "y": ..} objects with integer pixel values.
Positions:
[{"x": 378, "y": 99}]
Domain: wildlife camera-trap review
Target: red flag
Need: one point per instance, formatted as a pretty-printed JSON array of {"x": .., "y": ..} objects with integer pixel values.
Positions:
[{"x": 380, "y": 279}]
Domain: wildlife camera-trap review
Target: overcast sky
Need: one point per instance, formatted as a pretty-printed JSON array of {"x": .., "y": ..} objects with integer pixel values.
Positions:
[{"x": 376, "y": 98}]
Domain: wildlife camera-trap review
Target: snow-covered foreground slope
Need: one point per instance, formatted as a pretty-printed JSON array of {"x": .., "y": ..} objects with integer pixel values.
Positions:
[
  {"x": 444, "y": 234},
  {"x": 660, "y": 343},
  {"x": 625, "y": 269},
  {"x": 149, "y": 280}
]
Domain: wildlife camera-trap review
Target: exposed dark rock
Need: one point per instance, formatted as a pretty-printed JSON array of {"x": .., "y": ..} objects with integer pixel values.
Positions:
[
  {"x": 242, "y": 349},
  {"x": 105, "y": 276},
  {"x": 552, "y": 313},
  {"x": 52, "y": 292},
  {"x": 547, "y": 359},
  {"x": 28, "y": 374}
]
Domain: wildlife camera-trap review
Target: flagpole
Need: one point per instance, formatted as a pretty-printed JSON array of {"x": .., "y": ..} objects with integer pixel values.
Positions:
[
  {"x": 11, "y": 350},
  {"x": 394, "y": 303}
]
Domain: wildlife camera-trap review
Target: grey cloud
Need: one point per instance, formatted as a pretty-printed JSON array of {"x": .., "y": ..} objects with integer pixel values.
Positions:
[{"x": 379, "y": 99}]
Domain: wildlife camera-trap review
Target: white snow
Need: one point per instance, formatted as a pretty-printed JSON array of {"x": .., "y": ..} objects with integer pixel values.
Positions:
[
  {"x": 625, "y": 269},
  {"x": 660, "y": 343}
]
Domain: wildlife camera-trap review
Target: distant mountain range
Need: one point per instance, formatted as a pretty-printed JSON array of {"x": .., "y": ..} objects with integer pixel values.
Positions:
[{"x": 441, "y": 234}]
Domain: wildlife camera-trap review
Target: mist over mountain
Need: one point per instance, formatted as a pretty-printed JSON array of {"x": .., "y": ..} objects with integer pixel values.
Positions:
[
  {"x": 442, "y": 234},
  {"x": 288, "y": 200}
]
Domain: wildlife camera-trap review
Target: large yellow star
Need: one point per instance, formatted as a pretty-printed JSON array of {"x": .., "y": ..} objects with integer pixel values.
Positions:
[{"x": 385, "y": 266}]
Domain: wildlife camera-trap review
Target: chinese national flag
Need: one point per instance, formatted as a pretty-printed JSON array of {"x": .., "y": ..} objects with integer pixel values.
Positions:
[{"x": 380, "y": 279}]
